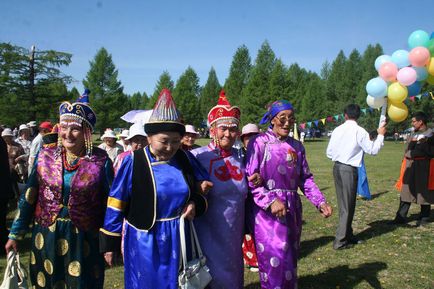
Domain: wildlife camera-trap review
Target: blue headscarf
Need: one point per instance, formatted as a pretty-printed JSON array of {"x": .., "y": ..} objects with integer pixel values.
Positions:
[{"x": 274, "y": 109}]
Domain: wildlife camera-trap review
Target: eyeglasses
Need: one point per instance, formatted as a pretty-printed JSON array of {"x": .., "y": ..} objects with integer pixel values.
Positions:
[{"x": 284, "y": 119}]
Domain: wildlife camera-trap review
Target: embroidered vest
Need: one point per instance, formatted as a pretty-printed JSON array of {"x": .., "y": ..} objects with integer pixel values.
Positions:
[
  {"x": 141, "y": 210},
  {"x": 87, "y": 200}
]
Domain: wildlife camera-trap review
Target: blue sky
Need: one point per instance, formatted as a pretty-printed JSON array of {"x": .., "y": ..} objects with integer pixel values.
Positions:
[{"x": 147, "y": 37}]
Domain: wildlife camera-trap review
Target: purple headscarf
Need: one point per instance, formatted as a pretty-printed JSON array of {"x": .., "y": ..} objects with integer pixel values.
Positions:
[{"x": 274, "y": 109}]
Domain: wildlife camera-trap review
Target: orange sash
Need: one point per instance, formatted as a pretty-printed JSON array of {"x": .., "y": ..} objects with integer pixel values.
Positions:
[{"x": 398, "y": 184}]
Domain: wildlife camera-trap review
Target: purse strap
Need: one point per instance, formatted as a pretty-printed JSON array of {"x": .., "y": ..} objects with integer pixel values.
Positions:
[
  {"x": 194, "y": 242},
  {"x": 182, "y": 238}
]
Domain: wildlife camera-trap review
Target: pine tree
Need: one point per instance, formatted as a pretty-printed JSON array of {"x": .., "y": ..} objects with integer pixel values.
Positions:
[
  {"x": 186, "y": 97},
  {"x": 296, "y": 84},
  {"x": 31, "y": 82},
  {"x": 277, "y": 89},
  {"x": 369, "y": 121},
  {"x": 138, "y": 101},
  {"x": 239, "y": 73},
  {"x": 256, "y": 93},
  {"x": 312, "y": 102},
  {"x": 165, "y": 81},
  {"x": 106, "y": 97},
  {"x": 353, "y": 72},
  {"x": 336, "y": 92},
  {"x": 209, "y": 94}
]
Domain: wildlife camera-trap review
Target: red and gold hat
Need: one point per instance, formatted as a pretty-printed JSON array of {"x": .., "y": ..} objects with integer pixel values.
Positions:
[{"x": 224, "y": 112}]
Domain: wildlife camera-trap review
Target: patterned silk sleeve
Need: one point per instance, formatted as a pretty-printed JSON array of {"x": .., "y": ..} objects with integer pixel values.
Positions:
[
  {"x": 307, "y": 183},
  {"x": 26, "y": 206},
  {"x": 117, "y": 202},
  {"x": 255, "y": 154}
]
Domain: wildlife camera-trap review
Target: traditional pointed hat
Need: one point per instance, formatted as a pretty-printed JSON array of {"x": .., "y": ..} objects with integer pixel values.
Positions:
[
  {"x": 165, "y": 116},
  {"x": 224, "y": 111}
]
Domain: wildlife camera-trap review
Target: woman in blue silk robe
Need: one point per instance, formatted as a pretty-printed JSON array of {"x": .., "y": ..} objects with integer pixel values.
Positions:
[{"x": 153, "y": 188}]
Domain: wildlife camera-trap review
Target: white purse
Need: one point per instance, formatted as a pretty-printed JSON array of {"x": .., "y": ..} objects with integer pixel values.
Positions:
[
  {"x": 15, "y": 276},
  {"x": 194, "y": 274}
]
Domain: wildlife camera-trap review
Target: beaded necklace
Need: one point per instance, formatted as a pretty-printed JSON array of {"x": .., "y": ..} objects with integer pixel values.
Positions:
[{"x": 69, "y": 159}]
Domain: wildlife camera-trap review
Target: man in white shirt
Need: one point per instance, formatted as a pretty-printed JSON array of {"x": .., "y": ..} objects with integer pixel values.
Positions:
[
  {"x": 347, "y": 144},
  {"x": 44, "y": 128}
]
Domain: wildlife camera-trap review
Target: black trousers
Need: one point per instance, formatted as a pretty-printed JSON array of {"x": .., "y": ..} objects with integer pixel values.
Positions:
[{"x": 405, "y": 206}]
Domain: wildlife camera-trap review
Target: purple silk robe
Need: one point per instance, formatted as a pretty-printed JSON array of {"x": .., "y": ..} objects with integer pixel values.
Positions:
[
  {"x": 220, "y": 229},
  {"x": 283, "y": 168}
]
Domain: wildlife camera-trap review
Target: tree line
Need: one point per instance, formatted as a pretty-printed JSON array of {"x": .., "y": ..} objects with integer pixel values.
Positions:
[{"x": 32, "y": 85}]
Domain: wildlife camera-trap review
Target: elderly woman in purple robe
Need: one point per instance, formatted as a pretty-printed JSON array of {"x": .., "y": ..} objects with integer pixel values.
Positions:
[{"x": 277, "y": 213}]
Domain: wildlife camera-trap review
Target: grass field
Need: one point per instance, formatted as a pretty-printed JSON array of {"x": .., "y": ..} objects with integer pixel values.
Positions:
[{"x": 395, "y": 257}]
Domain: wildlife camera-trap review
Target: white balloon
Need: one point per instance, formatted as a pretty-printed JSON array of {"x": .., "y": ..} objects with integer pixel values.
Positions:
[{"x": 375, "y": 102}]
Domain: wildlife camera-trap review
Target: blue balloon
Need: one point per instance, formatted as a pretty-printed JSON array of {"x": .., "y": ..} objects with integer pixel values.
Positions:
[
  {"x": 418, "y": 38},
  {"x": 414, "y": 89},
  {"x": 376, "y": 87},
  {"x": 382, "y": 59},
  {"x": 421, "y": 73},
  {"x": 400, "y": 58}
]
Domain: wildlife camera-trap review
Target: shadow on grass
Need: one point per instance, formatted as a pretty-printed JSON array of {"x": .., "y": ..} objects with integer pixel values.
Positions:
[
  {"x": 380, "y": 227},
  {"x": 344, "y": 277},
  {"x": 379, "y": 194},
  {"x": 307, "y": 247}
]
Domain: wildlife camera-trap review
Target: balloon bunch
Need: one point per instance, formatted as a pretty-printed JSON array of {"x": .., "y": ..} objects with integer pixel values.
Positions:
[{"x": 402, "y": 75}]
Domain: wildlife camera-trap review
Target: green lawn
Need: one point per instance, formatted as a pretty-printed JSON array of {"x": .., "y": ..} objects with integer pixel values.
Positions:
[{"x": 392, "y": 257}]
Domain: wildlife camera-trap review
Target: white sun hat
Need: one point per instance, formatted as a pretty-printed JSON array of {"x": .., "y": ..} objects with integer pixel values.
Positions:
[
  {"x": 190, "y": 129},
  {"x": 23, "y": 126},
  {"x": 124, "y": 133},
  {"x": 136, "y": 129},
  {"x": 249, "y": 129},
  {"x": 7, "y": 132},
  {"x": 108, "y": 134}
]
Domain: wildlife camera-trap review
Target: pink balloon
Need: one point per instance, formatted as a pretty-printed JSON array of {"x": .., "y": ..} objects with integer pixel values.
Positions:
[
  {"x": 419, "y": 56},
  {"x": 388, "y": 71},
  {"x": 406, "y": 76}
]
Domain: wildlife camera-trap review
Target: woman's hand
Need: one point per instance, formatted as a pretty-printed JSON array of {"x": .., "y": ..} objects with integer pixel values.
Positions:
[
  {"x": 255, "y": 179},
  {"x": 11, "y": 245},
  {"x": 325, "y": 210},
  {"x": 109, "y": 258},
  {"x": 278, "y": 209},
  {"x": 205, "y": 186},
  {"x": 189, "y": 211}
]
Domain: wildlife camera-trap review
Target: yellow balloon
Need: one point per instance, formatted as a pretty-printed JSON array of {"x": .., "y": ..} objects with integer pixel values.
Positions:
[
  {"x": 397, "y": 112},
  {"x": 430, "y": 79},
  {"x": 430, "y": 66},
  {"x": 396, "y": 93}
]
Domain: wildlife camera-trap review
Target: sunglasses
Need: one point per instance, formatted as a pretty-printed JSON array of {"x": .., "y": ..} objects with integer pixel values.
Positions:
[{"x": 285, "y": 119}]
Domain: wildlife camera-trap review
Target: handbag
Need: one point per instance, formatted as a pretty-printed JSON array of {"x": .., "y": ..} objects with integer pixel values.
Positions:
[
  {"x": 15, "y": 276},
  {"x": 193, "y": 274}
]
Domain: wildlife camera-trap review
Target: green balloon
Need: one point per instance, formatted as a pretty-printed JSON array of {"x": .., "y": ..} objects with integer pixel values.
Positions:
[{"x": 431, "y": 46}]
